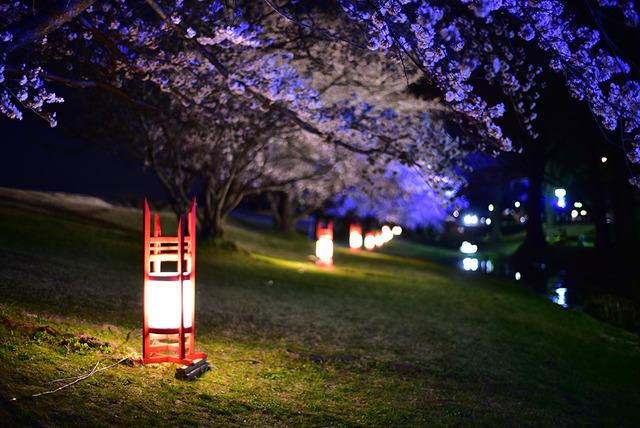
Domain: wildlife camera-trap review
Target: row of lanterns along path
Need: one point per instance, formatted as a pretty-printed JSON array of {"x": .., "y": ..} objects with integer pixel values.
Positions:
[
  {"x": 370, "y": 241},
  {"x": 169, "y": 286}
]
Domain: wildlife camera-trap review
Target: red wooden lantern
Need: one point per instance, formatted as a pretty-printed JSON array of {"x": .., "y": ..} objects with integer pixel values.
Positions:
[
  {"x": 387, "y": 234},
  {"x": 169, "y": 292},
  {"x": 379, "y": 240},
  {"x": 355, "y": 238},
  {"x": 369, "y": 241},
  {"x": 324, "y": 245}
]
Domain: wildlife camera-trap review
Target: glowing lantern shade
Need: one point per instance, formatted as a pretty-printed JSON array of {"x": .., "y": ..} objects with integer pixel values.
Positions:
[
  {"x": 324, "y": 245},
  {"x": 169, "y": 292},
  {"x": 369, "y": 241},
  {"x": 379, "y": 239},
  {"x": 387, "y": 234},
  {"x": 355, "y": 238}
]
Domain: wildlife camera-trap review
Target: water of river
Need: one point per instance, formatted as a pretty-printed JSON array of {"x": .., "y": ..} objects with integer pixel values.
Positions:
[{"x": 556, "y": 286}]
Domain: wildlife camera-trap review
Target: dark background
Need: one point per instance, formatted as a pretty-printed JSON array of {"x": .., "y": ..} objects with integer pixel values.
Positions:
[{"x": 37, "y": 157}]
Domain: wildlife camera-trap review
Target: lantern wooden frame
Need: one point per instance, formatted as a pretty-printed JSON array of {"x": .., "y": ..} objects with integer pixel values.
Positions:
[{"x": 173, "y": 344}]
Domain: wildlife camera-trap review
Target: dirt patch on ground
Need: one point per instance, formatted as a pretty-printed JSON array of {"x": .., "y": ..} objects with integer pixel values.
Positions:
[{"x": 51, "y": 334}]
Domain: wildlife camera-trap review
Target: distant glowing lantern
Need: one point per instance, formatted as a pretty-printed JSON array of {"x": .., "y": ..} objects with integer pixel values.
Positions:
[
  {"x": 355, "y": 238},
  {"x": 379, "y": 239},
  {"x": 603, "y": 159},
  {"x": 324, "y": 245},
  {"x": 516, "y": 204},
  {"x": 397, "y": 230},
  {"x": 491, "y": 207},
  {"x": 169, "y": 294},
  {"x": 369, "y": 241},
  {"x": 387, "y": 234}
]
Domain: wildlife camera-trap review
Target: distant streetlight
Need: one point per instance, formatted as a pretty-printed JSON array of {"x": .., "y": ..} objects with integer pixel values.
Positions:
[
  {"x": 603, "y": 159},
  {"x": 516, "y": 204},
  {"x": 396, "y": 230},
  {"x": 468, "y": 248},
  {"x": 561, "y": 194},
  {"x": 491, "y": 207},
  {"x": 470, "y": 220},
  {"x": 168, "y": 333}
]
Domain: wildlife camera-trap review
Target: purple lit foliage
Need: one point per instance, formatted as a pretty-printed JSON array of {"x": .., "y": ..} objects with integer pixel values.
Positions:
[
  {"x": 400, "y": 195},
  {"x": 218, "y": 69},
  {"x": 451, "y": 46}
]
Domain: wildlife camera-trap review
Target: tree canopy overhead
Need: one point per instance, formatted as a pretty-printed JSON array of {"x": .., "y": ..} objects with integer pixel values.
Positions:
[{"x": 201, "y": 71}]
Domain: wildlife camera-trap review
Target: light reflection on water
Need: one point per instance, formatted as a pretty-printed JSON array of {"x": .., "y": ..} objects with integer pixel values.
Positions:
[
  {"x": 470, "y": 264},
  {"x": 557, "y": 291},
  {"x": 474, "y": 264},
  {"x": 560, "y": 297}
]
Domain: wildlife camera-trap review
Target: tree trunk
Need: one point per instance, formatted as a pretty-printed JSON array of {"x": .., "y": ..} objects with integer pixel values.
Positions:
[
  {"x": 624, "y": 224},
  {"x": 496, "y": 214},
  {"x": 211, "y": 220},
  {"x": 212, "y": 225},
  {"x": 599, "y": 209},
  {"x": 535, "y": 244},
  {"x": 625, "y": 229},
  {"x": 283, "y": 212}
]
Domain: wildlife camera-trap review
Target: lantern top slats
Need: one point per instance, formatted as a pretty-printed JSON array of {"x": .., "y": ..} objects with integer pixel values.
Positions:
[
  {"x": 167, "y": 257},
  {"x": 163, "y": 239}
]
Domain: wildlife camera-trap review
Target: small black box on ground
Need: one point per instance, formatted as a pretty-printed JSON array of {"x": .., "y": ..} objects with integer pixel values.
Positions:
[{"x": 193, "y": 371}]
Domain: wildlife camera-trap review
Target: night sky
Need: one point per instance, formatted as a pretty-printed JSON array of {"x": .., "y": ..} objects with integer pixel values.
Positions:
[{"x": 37, "y": 157}]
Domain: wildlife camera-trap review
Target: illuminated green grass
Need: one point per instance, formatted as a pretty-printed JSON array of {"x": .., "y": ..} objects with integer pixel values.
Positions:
[{"x": 379, "y": 340}]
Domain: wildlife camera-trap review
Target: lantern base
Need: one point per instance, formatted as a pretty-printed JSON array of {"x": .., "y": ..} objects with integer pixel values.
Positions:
[
  {"x": 186, "y": 361},
  {"x": 324, "y": 265},
  {"x": 193, "y": 371}
]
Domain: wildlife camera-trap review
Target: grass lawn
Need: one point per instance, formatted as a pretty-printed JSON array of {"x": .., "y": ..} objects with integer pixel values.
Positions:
[{"x": 381, "y": 340}]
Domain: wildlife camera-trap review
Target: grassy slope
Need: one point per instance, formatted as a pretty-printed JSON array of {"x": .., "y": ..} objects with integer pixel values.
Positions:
[{"x": 380, "y": 340}]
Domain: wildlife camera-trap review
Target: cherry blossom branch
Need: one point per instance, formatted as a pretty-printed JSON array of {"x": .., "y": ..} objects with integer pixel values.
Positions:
[
  {"x": 274, "y": 106},
  {"x": 29, "y": 30}
]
